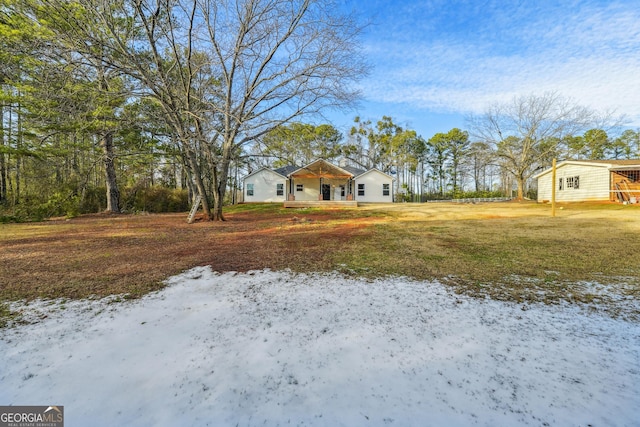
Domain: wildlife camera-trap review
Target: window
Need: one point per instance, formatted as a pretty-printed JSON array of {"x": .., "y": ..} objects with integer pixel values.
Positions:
[
  {"x": 299, "y": 187},
  {"x": 573, "y": 182},
  {"x": 342, "y": 191},
  {"x": 280, "y": 189},
  {"x": 360, "y": 189},
  {"x": 385, "y": 189},
  {"x": 560, "y": 187},
  {"x": 249, "y": 189}
]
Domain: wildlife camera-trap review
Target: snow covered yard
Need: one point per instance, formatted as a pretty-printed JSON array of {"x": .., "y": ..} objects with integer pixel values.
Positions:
[{"x": 275, "y": 348}]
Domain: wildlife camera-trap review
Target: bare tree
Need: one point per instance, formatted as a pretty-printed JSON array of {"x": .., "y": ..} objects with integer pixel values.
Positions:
[
  {"x": 525, "y": 132},
  {"x": 225, "y": 72},
  {"x": 278, "y": 60}
]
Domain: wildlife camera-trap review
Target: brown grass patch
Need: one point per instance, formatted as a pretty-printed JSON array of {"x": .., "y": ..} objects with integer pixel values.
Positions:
[{"x": 509, "y": 251}]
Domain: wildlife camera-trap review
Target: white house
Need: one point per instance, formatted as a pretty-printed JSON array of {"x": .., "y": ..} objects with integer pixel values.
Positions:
[
  {"x": 318, "y": 181},
  {"x": 265, "y": 185},
  {"x": 592, "y": 180}
]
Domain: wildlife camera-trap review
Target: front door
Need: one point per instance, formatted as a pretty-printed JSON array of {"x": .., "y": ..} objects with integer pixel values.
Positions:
[{"x": 326, "y": 192}]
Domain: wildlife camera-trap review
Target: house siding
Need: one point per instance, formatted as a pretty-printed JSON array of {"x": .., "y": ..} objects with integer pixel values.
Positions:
[
  {"x": 265, "y": 187},
  {"x": 311, "y": 189},
  {"x": 313, "y": 179},
  {"x": 373, "y": 181},
  {"x": 594, "y": 183}
]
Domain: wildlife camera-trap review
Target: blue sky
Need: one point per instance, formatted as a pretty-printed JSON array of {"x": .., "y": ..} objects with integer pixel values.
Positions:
[{"x": 437, "y": 61}]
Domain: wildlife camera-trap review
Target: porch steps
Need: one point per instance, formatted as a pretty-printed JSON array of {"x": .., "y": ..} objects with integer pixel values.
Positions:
[{"x": 321, "y": 204}]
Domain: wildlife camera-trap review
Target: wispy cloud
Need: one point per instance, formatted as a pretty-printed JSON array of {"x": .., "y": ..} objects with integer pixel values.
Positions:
[{"x": 587, "y": 51}]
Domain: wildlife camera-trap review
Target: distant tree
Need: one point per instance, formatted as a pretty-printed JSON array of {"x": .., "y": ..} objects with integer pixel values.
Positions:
[
  {"x": 438, "y": 155},
  {"x": 597, "y": 144},
  {"x": 480, "y": 158},
  {"x": 458, "y": 141},
  {"x": 525, "y": 132},
  {"x": 388, "y": 147},
  {"x": 362, "y": 147},
  {"x": 300, "y": 143},
  {"x": 627, "y": 145}
]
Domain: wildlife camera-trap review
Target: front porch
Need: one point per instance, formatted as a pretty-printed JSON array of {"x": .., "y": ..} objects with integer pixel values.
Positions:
[
  {"x": 320, "y": 184},
  {"x": 321, "y": 204}
]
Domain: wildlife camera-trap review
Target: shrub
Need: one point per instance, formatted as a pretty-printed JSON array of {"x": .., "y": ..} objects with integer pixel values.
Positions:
[{"x": 154, "y": 199}]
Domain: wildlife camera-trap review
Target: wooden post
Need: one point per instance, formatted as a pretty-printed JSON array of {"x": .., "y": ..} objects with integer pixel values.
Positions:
[{"x": 553, "y": 188}]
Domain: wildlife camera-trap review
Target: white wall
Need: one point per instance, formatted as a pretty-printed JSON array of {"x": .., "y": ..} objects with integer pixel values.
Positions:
[
  {"x": 594, "y": 183},
  {"x": 265, "y": 187},
  {"x": 311, "y": 189},
  {"x": 373, "y": 181}
]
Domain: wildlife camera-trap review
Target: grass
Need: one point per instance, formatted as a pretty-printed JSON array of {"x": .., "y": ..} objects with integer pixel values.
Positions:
[{"x": 506, "y": 251}]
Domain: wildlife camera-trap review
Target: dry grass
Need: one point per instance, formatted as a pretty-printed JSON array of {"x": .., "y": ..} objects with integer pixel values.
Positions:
[{"x": 504, "y": 250}]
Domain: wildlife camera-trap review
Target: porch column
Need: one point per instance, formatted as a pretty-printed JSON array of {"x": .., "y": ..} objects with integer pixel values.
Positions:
[
  {"x": 291, "y": 196},
  {"x": 349, "y": 193}
]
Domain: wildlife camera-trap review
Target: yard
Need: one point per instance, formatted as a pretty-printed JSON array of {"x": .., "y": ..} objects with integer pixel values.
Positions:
[
  {"x": 509, "y": 251},
  {"x": 435, "y": 314}
]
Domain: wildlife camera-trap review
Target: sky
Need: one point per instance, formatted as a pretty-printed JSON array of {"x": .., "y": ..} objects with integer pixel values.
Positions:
[{"x": 435, "y": 62}]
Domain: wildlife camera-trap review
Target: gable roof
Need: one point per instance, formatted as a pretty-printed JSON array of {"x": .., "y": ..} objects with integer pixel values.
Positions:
[
  {"x": 354, "y": 170},
  {"x": 286, "y": 170},
  {"x": 314, "y": 170},
  {"x": 374, "y": 170},
  {"x": 320, "y": 168},
  {"x": 262, "y": 169}
]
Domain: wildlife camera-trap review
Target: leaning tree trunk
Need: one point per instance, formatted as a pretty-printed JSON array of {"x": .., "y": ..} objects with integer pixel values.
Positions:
[
  {"x": 197, "y": 177},
  {"x": 113, "y": 194}
]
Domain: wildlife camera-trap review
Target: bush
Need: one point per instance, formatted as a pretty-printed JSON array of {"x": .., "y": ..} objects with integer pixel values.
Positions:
[{"x": 154, "y": 199}]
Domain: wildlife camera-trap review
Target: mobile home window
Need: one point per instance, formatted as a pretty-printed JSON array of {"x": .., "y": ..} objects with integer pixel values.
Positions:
[
  {"x": 249, "y": 189},
  {"x": 360, "y": 189},
  {"x": 299, "y": 187},
  {"x": 385, "y": 189},
  {"x": 560, "y": 186},
  {"x": 573, "y": 182},
  {"x": 280, "y": 189}
]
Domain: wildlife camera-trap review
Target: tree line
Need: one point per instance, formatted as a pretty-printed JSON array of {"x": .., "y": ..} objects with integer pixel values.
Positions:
[
  {"x": 104, "y": 93},
  {"x": 498, "y": 156}
]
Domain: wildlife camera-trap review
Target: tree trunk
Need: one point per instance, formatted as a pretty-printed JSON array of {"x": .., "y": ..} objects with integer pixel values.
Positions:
[
  {"x": 218, "y": 197},
  {"x": 3, "y": 167},
  {"x": 18, "y": 156},
  {"x": 113, "y": 194},
  {"x": 195, "y": 171},
  {"x": 520, "y": 196},
  {"x": 220, "y": 182}
]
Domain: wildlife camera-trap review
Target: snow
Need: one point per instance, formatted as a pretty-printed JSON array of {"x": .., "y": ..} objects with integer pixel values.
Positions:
[{"x": 276, "y": 348}]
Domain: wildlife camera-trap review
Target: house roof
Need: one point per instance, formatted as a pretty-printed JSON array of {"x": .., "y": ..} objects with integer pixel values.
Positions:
[
  {"x": 374, "y": 170},
  {"x": 264, "y": 168},
  {"x": 354, "y": 170},
  {"x": 286, "y": 170},
  {"x": 614, "y": 165},
  {"x": 318, "y": 169},
  {"x": 315, "y": 170}
]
